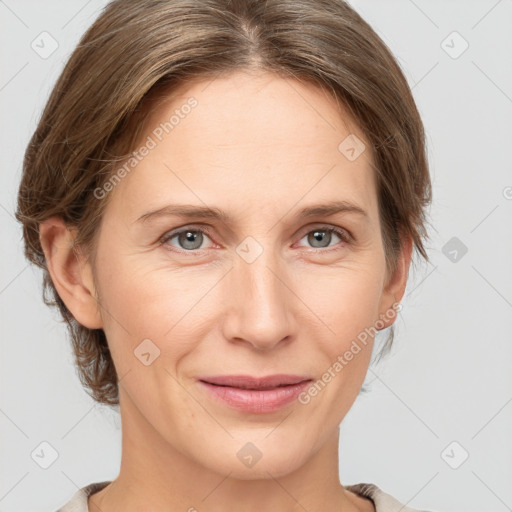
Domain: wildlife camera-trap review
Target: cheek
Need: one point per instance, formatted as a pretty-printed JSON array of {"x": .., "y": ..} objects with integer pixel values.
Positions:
[
  {"x": 142, "y": 302},
  {"x": 346, "y": 300},
  {"x": 349, "y": 307}
]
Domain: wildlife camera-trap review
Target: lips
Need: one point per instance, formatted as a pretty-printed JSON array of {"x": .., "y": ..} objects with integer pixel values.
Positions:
[
  {"x": 256, "y": 383},
  {"x": 255, "y": 395}
]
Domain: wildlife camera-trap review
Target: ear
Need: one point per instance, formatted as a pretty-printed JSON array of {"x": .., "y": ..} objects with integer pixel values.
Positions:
[
  {"x": 394, "y": 288},
  {"x": 70, "y": 272}
]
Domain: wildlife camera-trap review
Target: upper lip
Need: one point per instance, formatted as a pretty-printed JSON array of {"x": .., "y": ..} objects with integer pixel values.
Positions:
[{"x": 250, "y": 382}]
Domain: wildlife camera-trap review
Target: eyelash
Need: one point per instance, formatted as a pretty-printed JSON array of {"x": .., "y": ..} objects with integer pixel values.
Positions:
[{"x": 345, "y": 236}]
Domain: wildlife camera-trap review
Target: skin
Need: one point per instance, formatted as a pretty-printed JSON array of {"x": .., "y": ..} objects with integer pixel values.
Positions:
[{"x": 260, "y": 148}]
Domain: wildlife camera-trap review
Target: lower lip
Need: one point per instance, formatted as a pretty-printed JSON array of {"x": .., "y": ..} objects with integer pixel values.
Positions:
[{"x": 256, "y": 401}]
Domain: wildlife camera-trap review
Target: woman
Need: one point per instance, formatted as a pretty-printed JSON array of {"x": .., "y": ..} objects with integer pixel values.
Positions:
[{"x": 224, "y": 198}]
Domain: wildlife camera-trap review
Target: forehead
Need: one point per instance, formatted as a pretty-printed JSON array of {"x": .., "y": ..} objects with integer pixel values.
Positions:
[
  {"x": 251, "y": 138},
  {"x": 249, "y": 108}
]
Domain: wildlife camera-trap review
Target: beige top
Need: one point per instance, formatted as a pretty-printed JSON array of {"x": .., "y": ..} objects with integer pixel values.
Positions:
[{"x": 383, "y": 502}]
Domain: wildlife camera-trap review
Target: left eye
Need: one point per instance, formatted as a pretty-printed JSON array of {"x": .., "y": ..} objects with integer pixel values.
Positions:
[{"x": 321, "y": 237}]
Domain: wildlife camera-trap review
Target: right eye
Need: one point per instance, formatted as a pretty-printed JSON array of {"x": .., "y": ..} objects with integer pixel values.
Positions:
[{"x": 188, "y": 240}]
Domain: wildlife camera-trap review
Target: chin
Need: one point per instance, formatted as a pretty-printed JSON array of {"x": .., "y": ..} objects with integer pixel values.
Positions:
[{"x": 256, "y": 460}]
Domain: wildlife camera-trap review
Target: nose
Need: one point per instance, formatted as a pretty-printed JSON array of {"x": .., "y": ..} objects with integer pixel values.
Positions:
[{"x": 258, "y": 303}]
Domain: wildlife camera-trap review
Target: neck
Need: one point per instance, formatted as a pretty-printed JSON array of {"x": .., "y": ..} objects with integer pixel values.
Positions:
[{"x": 157, "y": 476}]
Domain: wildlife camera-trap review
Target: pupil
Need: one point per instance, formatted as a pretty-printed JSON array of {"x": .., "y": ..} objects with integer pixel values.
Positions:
[
  {"x": 190, "y": 240},
  {"x": 321, "y": 236}
]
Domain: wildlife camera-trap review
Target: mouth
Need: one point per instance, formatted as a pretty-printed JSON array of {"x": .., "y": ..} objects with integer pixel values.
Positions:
[
  {"x": 256, "y": 383},
  {"x": 255, "y": 394}
]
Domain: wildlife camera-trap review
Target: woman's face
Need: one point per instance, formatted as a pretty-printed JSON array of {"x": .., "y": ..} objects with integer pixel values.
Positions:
[{"x": 258, "y": 287}]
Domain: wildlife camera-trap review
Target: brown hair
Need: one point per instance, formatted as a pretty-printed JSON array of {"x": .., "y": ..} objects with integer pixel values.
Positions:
[{"x": 138, "y": 47}]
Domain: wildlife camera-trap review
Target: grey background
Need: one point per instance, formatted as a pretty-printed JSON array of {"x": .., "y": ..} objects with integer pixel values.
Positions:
[{"x": 448, "y": 378}]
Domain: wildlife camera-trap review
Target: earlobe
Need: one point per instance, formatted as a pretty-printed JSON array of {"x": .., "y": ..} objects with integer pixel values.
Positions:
[
  {"x": 396, "y": 284},
  {"x": 70, "y": 272}
]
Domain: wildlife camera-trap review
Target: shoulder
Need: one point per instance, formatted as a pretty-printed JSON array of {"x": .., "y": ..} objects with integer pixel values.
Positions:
[
  {"x": 383, "y": 502},
  {"x": 78, "y": 502}
]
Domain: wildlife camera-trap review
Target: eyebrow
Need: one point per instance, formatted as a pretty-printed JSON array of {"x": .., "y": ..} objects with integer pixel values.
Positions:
[{"x": 206, "y": 212}]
